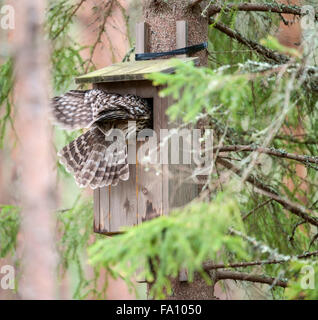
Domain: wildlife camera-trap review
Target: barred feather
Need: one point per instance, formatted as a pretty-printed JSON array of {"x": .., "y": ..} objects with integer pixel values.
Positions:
[
  {"x": 80, "y": 109},
  {"x": 71, "y": 112},
  {"x": 93, "y": 160}
]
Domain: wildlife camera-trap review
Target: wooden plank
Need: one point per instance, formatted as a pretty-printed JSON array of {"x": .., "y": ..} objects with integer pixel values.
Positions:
[
  {"x": 122, "y": 198},
  {"x": 181, "y": 189},
  {"x": 96, "y": 210},
  {"x": 104, "y": 225},
  {"x": 101, "y": 203},
  {"x": 165, "y": 148},
  {"x": 123, "y": 203},
  {"x": 181, "y": 35},
  {"x": 142, "y": 30},
  {"x": 141, "y": 187},
  {"x": 149, "y": 183}
]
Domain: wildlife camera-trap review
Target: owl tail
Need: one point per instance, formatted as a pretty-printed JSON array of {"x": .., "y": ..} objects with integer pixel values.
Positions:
[{"x": 94, "y": 161}]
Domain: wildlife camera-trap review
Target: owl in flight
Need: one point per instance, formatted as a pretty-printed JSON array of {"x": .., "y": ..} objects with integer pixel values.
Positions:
[{"x": 95, "y": 158}]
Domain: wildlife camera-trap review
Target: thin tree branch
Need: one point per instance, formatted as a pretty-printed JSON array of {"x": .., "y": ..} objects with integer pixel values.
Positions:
[
  {"x": 231, "y": 275},
  {"x": 270, "y": 151},
  {"x": 100, "y": 33},
  {"x": 307, "y": 255},
  {"x": 211, "y": 266},
  {"x": 300, "y": 211},
  {"x": 276, "y": 8},
  {"x": 69, "y": 18},
  {"x": 291, "y": 238},
  {"x": 256, "y": 208},
  {"x": 308, "y": 141},
  {"x": 313, "y": 240},
  {"x": 267, "y": 53},
  {"x": 283, "y": 19},
  {"x": 251, "y": 179}
]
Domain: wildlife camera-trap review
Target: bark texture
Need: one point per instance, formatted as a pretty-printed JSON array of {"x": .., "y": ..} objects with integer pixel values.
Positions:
[
  {"x": 161, "y": 17},
  {"x": 36, "y": 155}
]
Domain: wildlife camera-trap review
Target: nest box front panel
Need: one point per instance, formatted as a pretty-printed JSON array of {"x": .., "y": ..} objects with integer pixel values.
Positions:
[{"x": 144, "y": 195}]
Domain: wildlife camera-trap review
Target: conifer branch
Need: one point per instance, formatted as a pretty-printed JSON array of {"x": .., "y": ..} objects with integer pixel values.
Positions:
[
  {"x": 269, "y": 151},
  {"x": 276, "y": 8},
  {"x": 212, "y": 266},
  {"x": 267, "y": 53},
  {"x": 241, "y": 276},
  {"x": 302, "y": 212}
]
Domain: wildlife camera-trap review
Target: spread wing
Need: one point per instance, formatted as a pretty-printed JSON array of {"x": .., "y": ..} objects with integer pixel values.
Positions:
[
  {"x": 95, "y": 161},
  {"x": 80, "y": 109}
]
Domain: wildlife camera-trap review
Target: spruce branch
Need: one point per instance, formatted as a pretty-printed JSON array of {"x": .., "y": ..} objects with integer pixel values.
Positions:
[
  {"x": 270, "y": 151},
  {"x": 212, "y": 266},
  {"x": 276, "y": 8},
  {"x": 291, "y": 238},
  {"x": 261, "y": 188},
  {"x": 261, "y": 205},
  {"x": 241, "y": 276},
  {"x": 267, "y": 53},
  {"x": 69, "y": 18},
  {"x": 108, "y": 6}
]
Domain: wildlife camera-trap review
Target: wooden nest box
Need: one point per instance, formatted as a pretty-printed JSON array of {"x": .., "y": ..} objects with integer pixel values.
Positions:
[{"x": 149, "y": 192}]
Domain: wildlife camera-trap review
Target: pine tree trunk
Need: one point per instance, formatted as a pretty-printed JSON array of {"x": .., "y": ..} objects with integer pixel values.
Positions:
[
  {"x": 161, "y": 18},
  {"x": 36, "y": 154}
]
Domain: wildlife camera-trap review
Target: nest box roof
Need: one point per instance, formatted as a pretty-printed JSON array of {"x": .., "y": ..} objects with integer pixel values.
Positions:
[{"x": 128, "y": 71}]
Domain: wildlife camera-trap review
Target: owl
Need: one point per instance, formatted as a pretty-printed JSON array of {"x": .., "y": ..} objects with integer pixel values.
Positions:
[{"x": 98, "y": 157}]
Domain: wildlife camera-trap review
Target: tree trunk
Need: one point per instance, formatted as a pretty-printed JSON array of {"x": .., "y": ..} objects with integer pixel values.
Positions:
[
  {"x": 161, "y": 18},
  {"x": 36, "y": 154}
]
